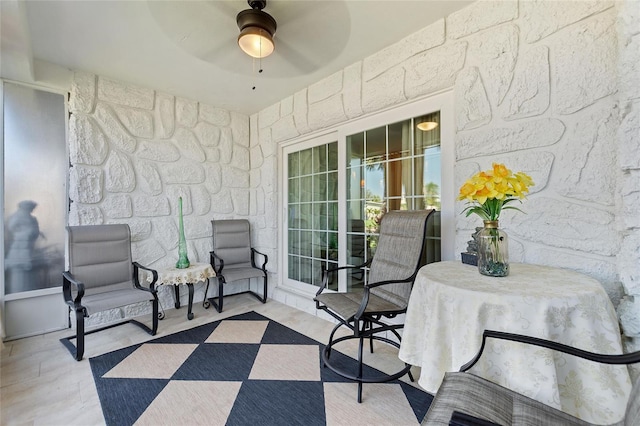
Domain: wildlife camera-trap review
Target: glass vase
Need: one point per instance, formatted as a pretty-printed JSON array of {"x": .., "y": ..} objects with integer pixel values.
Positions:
[
  {"x": 183, "y": 260},
  {"x": 493, "y": 250}
]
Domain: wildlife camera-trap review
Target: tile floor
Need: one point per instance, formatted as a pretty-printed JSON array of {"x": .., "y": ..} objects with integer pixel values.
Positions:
[{"x": 41, "y": 383}]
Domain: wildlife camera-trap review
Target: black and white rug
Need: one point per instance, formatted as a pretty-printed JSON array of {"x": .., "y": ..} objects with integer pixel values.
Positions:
[{"x": 243, "y": 370}]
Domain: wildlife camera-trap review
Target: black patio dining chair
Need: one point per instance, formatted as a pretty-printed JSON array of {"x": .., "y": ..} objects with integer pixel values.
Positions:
[
  {"x": 234, "y": 259},
  {"x": 102, "y": 277},
  {"x": 386, "y": 292},
  {"x": 465, "y": 399}
]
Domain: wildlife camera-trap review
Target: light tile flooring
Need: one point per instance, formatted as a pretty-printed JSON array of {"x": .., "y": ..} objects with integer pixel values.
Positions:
[{"x": 42, "y": 384}]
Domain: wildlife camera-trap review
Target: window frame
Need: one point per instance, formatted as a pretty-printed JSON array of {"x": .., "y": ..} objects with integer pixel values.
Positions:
[{"x": 443, "y": 102}]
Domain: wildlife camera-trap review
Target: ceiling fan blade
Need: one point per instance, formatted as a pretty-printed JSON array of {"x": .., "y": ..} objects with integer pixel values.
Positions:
[
  {"x": 228, "y": 8},
  {"x": 301, "y": 38},
  {"x": 301, "y": 62}
]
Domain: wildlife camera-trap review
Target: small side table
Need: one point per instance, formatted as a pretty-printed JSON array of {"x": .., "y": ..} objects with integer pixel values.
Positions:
[{"x": 195, "y": 273}]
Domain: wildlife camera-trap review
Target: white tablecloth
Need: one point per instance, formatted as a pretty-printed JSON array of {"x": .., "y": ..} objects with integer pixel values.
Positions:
[
  {"x": 452, "y": 304},
  {"x": 195, "y": 273}
]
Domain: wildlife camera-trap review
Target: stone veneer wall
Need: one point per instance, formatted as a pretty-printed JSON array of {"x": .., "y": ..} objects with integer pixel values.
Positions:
[
  {"x": 628, "y": 188},
  {"x": 134, "y": 151},
  {"x": 547, "y": 87}
]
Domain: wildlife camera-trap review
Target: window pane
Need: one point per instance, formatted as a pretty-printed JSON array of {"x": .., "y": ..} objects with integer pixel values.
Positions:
[
  {"x": 320, "y": 187},
  {"x": 332, "y": 186},
  {"x": 294, "y": 242},
  {"x": 400, "y": 139},
  {"x": 376, "y": 144},
  {"x": 294, "y": 190},
  {"x": 375, "y": 186},
  {"x": 355, "y": 210},
  {"x": 319, "y": 216},
  {"x": 332, "y": 156},
  {"x": 294, "y": 267},
  {"x": 306, "y": 164},
  {"x": 356, "y": 247},
  {"x": 305, "y": 216},
  {"x": 355, "y": 149},
  {"x": 355, "y": 182},
  {"x": 320, "y": 159},
  {"x": 306, "y": 188},
  {"x": 320, "y": 244},
  {"x": 430, "y": 176},
  {"x": 294, "y": 164},
  {"x": 426, "y": 138},
  {"x": 332, "y": 219},
  {"x": 306, "y": 271}
]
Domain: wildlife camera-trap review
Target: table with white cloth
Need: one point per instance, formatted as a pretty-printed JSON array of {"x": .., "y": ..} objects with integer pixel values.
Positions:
[
  {"x": 452, "y": 304},
  {"x": 195, "y": 273}
]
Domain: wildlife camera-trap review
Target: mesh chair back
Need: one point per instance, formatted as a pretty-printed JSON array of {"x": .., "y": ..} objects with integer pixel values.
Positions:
[
  {"x": 398, "y": 254},
  {"x": 100, "y": 256},
  {"x": 232, "y": 242}
]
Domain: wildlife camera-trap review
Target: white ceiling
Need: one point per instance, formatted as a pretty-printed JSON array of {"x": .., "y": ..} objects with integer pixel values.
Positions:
[{"x": 189, "y": 48}]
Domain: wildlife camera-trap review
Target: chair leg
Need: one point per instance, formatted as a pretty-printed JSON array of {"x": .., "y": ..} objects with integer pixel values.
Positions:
[
  {"x": 79, "y": 334},
  {"x": 371, "y": 338},
  {"x": 264, "y": 290},
  {"x": 205, "y": 302},
  {"x": 360, "y": 345},
  {"x": 220, "y": 295},
  {"x": 155, "y": 318}
]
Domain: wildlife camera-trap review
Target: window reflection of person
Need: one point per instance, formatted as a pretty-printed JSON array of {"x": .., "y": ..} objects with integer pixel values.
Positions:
[{"x": 23, "y": 231}]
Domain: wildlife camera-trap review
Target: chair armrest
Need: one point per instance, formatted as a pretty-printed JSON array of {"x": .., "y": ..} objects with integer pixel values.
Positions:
[
  {"x": 253, "y": 259},
  {"x": 215, "y": 260},
  {"x": 325, "y": 274},
  {"x": 380, "y": 283},
  {"x": 630, "y": 358},
  {"x": 136, "y": 279},
  {"x": 67, "y": 280}
]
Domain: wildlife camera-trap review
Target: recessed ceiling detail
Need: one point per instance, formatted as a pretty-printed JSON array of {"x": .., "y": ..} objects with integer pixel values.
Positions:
[{"x": 208, "y": 30}]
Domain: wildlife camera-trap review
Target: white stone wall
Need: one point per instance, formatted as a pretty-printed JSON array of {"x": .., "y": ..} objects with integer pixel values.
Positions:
[
  {"x": 547, "y": 87},
  {"x": 134, "y": 151},
  {"x": 628, "y": 188}
]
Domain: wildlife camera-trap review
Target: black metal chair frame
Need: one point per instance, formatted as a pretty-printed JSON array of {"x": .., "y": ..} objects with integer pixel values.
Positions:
[
  {"x": 362, "y": 325},
  {"x": 461, "y": 418},
  {"x": 218, "y": 265},
  {"x": 75, "y": 304},
  {"x": 629, "y": 358}
]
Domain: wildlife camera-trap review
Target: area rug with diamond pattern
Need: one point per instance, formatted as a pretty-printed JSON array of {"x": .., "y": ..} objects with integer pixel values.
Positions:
[{"x": 243, "y": 370}]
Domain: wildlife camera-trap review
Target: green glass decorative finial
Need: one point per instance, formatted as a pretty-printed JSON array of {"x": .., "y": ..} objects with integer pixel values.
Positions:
[{"x": 183, "y": 260}]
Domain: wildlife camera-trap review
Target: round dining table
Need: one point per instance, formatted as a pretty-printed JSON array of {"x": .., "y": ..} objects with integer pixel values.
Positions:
[{"x": 451, "y": 304}]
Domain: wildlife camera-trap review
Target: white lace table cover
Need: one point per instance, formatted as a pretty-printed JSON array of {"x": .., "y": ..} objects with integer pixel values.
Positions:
[
  {"x": 195, "y": 273},
  {"x": 452, "y": 304}
]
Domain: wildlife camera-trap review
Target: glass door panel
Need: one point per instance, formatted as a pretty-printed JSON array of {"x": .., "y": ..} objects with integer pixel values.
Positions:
[
  {"x": 398, "y": 169},
  {"x": 312, "y": 209}
]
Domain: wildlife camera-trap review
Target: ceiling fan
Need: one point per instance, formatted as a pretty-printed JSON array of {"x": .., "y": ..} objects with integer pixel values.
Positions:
[
  {"x": 256, "y": 30},
  {"x": 309, "y": 33}
]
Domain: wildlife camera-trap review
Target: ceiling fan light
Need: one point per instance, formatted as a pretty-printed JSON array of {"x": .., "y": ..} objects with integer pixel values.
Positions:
[
  {"x": 425, "y": 126},
  {"x": 256, "y": 42}
]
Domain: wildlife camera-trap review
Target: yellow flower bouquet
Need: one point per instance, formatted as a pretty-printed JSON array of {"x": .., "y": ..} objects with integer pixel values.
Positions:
[{"x": 489, "y": 192}]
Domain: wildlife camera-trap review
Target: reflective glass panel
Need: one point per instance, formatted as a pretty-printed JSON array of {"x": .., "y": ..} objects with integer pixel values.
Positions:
[{"x": 35, "y": 199}]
